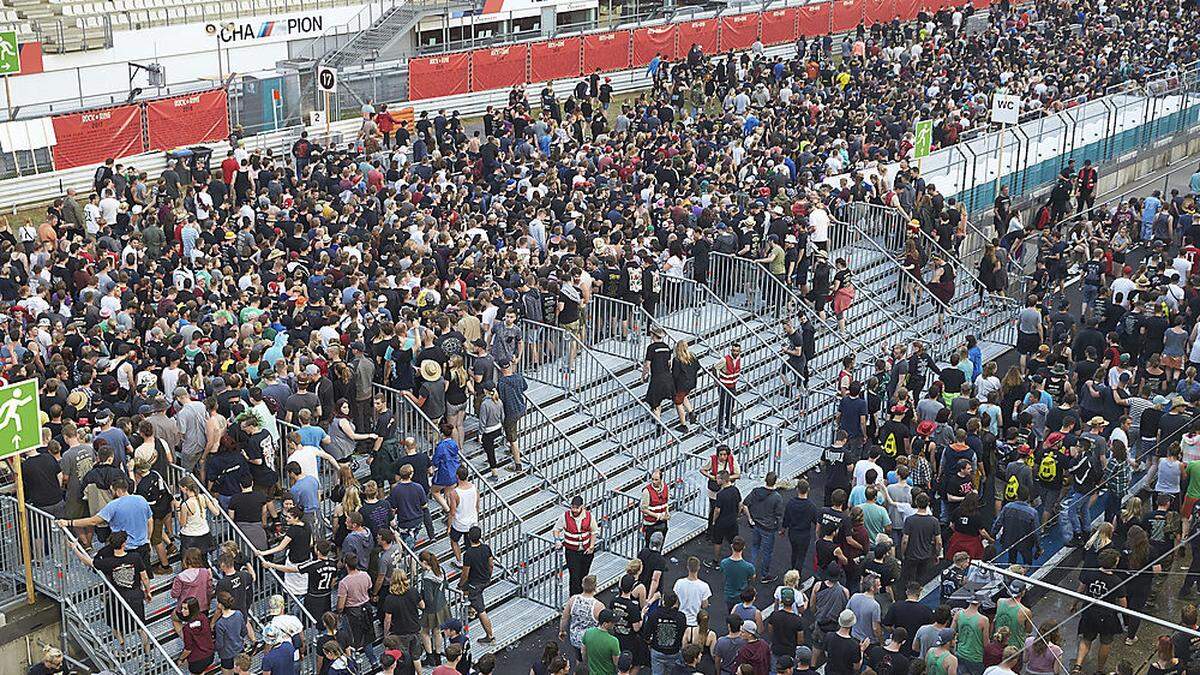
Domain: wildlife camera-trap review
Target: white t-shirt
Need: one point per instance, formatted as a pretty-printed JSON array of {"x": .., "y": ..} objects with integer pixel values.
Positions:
[
  {"x": 861, "y": 467},
  {"x": 306, "y": 457},
  {"x": 1122, "y": 287},
  {"x": 819, "y": 220},
  {"x": 691, "y": 595}
]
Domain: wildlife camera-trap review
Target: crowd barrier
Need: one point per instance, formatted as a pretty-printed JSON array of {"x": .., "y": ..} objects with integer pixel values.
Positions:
[
  {"x": 504, "y": 67},
  {"x": 92, "y": 136}
]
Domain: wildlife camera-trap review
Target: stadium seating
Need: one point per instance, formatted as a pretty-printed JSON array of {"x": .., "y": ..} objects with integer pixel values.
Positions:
[{"x": 74, "y": 25}]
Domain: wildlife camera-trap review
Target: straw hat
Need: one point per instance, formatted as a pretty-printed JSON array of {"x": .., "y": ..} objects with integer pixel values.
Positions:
[{"x": 431, "y": 370}]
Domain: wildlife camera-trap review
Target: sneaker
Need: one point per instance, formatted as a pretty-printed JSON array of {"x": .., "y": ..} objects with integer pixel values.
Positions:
[
  {"x": 768, "y": 580},
  {"x": 713, "y": 564},
  {"x": 487, "y": 641}
]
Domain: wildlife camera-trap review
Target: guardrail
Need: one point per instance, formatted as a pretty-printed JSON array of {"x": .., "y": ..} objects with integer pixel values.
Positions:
[
  {"x": 95, "y": 613},
  {"x": 267, "y": 581}
]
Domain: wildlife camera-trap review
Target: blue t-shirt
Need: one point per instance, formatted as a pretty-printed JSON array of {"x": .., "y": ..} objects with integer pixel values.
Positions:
[
  {"x": 305, "y": 491},
  {"x": 280, "y": 660},
  {"x": 445, "y": 461},
  {"x": 737, "y": 576},
  {"x": 128, "y": 514},
  {"x": 311, "y": 435},
  {"x": 118, "y": 441}
]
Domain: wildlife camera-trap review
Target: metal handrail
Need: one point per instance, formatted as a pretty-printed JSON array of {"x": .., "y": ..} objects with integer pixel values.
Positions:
[
  {"x": 647, "y": 320},
  {"x": 870, "y": 242},
  {"x": 583, "y": 352},
  {"x": 178, "y": 472},
  {"x": 963, "y": 271},
  {"x": 553, "y": 483},
  {"x": 797, "y": 301},
  {"x": 36, "y": 514}
]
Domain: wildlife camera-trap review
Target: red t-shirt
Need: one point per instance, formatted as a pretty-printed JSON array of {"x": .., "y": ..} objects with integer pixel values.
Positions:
[{"x": 228, "y": 168}]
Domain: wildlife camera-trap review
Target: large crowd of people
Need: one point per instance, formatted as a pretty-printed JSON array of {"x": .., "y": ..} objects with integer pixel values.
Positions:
[{"x": 238, "y": 320}]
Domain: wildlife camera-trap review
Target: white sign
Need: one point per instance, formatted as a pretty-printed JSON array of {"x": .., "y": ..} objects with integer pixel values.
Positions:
[
  {"x": 1006, "y": 108},
  {"x": 326, "y": 79},
  {"x": 245, "y": 31},
  {"x": 316, "y": 118}
]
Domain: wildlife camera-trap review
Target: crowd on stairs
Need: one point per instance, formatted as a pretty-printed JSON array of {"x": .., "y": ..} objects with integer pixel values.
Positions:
[{"x": 300, "y": 349}]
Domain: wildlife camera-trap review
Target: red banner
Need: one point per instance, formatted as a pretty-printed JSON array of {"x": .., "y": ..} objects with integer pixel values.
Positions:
[
  {"x": 648, "y": 42},
  {"x": 907, "y": 9},
  {"x": 779, "y": 26},
  {"x": 738, "y": 31},
  {"x": 703, "y": 33},
  {"x": 846, "y": 15},
  {"x": 95, "y": 135},
  {"x": 498, "y": 68},
  {"x": 434, "y": 76},
  {"x": 606, "y": 51},
  {"x": 813, "y": 19},
  {"x": 554, "y": 60},
  {"x": 186, "y": 120},
  {"x": 879, "y": 11}
]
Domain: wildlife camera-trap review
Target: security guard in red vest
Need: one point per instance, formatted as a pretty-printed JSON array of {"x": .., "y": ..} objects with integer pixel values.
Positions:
[
  {"x": 655, "y": 506},
  {"x": 576, "y": 528}
]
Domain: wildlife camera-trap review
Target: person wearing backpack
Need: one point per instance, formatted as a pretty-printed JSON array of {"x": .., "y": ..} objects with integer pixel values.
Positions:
[
  {"x": 1048, "y": 476},
  {"x": 76, "y": 461},
  {"x": 150, "y": 485},
  {"x": 97, "y": 486}
]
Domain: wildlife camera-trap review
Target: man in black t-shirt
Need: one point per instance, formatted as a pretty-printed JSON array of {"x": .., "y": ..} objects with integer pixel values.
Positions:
[
  {"x": 476, "y": 575},
  {"x": 843, "y": 653},
  {"x": 322, "y": 574},
  {"x": 654, "y": 564},
  {"x": 723, "y": 524},
  {"x": 42, "y": 477},
  {"x": 237, "y": 583},
  {"x": 890, "y": 658},
  {"x": 664, "y": 631},
  {"x": 786, "y": 627},
  {"x": 1099, "y": 622},
  {"x": 908, "y": 614}
]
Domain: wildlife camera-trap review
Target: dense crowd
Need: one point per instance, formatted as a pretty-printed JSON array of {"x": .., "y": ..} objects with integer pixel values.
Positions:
[{"x": 238, "y": 321}]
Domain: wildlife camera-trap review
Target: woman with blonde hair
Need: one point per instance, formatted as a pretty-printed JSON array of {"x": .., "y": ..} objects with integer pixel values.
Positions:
[
  {"x": 459, "y": 389},
  {"x": 194, "y": 531},
  {"x": 685, "y": 370},
  {"x": 51, "y": 663},
  {"x": 401, "y": 611},
  {"x": 351, "y": 503}
]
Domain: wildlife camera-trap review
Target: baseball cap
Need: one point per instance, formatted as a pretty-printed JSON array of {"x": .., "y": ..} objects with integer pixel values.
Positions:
[
  {"x": 926, "y": 427},
  {"x": 272, "y": 634},
  {"x": 750, "y": 627},
  {"x": 455, "y": 625},
  {"x": 784, "y": 663},
  {"x": 312, "y": 369},
  {"x": 944, "y": 636},
  {"x": 787, "y": 596},
  {"x": 803, "y": 655},
  {"x": 606, "y": 615},
  {"x": 625, "y": 662}
]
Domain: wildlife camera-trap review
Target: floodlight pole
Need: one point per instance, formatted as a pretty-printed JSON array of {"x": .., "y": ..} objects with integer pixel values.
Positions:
[{"x": 1075, "y": 595}]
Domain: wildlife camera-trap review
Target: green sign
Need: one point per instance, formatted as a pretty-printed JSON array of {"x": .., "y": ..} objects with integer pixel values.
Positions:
[
  {"x": 923, "y": 138},
  {"x": 20, "y": 421},
  {"x": 10, "y": 54}
]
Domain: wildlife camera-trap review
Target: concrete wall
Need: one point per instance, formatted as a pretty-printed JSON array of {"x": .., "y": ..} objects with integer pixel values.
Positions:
[{"x": 25, "y": 629}]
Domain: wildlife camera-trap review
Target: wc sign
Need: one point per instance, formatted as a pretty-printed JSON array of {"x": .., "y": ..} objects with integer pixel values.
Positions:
[{"x": 1006, "y": 108}]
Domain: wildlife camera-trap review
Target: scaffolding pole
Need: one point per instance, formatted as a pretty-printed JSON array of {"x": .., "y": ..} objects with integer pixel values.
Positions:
[{"x": 1083, "y": 598}]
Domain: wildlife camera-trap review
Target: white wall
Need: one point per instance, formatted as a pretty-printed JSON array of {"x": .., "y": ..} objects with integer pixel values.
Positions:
[{"x": 188, "y": 52}]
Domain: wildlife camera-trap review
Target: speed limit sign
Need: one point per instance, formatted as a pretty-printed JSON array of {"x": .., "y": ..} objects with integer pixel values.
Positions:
[{"x": 326, "y": 79}]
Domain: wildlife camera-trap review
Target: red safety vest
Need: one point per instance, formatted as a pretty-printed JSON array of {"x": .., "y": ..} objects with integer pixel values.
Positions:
[
  {"x": 731, "y": 372},
  {"x": 714, "y": 469},
  {"x": 577, "y": 535},
  {"x": 658, "y": 505}
]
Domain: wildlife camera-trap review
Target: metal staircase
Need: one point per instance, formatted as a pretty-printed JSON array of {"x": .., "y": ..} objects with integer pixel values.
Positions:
[
  {"x": 94, "y": 616},
  {"x": 374, "y": 32}
]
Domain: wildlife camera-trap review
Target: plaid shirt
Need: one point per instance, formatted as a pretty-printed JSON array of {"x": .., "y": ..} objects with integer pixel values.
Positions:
[{"x": 1118, "y": 476}]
